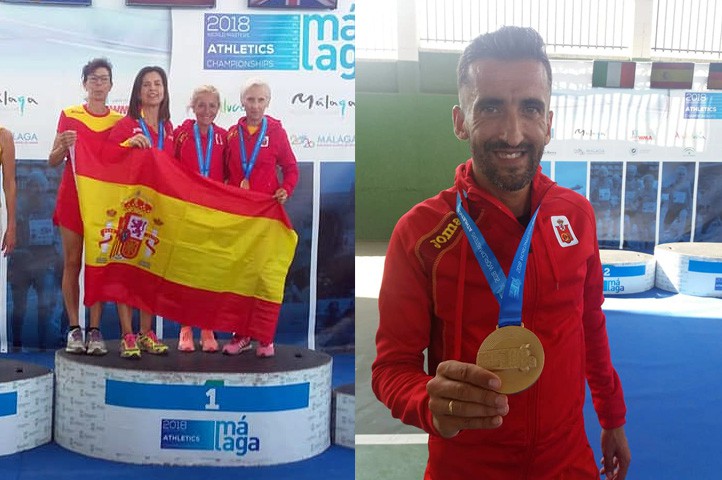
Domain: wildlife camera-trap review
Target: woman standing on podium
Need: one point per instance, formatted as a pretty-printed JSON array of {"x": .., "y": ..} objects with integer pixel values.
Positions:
[
  {"x": 147, "y": 125},
  {"x": 92, "y": 122},
  {"x": 200, "y": 146},
  {"x": 257, "y": 147}
]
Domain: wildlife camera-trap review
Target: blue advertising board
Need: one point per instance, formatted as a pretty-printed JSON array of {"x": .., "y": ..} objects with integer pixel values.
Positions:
[
  {"x": 703, "y": 105},
  {"x": 251, "y": 42}
]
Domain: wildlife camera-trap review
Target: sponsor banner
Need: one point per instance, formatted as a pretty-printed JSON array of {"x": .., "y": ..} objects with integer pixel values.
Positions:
[
  {"x": 703, "y": 105},
  {"x": 307, "y": 58},
  {"x": 251, "y": 42},
  {"x": 255, "y": 437}
]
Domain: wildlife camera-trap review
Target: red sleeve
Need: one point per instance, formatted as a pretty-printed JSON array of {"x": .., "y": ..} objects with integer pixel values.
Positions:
[
  {"x": 62, "y": 122},
  {"x": 405, "y": 307},
  {"x": 287, "y": 162},
  {"x": 604, "y": 383},
  {"x": 177, "y": 142},
  {"x": 63, "y": 125},
  {"x": 232, "y": 156},
  {"x": 122, "y": 131}
]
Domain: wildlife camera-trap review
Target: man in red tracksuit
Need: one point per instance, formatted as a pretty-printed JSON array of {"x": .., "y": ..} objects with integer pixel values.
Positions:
[{"x": 434, "y": 294}]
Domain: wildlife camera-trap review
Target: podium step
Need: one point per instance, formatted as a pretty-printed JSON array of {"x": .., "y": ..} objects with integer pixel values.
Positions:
[{"x": 195, "y": 408}]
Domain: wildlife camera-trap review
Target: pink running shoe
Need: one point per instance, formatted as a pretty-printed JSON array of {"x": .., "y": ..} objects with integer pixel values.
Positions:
[
  {"x": 265, "y": 350},
  {"x": 129, "y": 347},
  {"x": 237, "y": 345},
  {"x": 185, "y": 342},
  {"x": 208, "y": 341}
]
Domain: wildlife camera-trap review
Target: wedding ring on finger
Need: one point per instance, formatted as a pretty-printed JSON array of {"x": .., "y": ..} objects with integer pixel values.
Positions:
[{"x": 451, "y": 408}]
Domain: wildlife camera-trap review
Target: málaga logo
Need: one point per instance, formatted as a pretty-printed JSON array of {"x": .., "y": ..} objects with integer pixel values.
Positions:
[
  {"x": 212, "y": 435},
  {"x": 329, "y": 43},
  {"x": 124, "y": 237}
]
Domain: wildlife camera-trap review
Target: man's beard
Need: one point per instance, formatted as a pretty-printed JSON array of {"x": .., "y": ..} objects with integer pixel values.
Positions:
[{"x": 510, "y": 182}]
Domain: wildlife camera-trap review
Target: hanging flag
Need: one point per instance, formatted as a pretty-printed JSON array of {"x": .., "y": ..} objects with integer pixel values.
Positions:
[
  {"x": 672, "y": 75},
  {"x": 613, "y": 74},
  {"x": 329, "y": 4},
  {"x": 714, "y": 80},
  {"x": 179, "y": 245}
]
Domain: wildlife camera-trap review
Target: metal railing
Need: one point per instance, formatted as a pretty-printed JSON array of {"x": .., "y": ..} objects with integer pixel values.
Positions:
[
  {"x": 568, "y": 26},
  {"x": 591, "y": 28},
  {"x": 687, "y": 28}
]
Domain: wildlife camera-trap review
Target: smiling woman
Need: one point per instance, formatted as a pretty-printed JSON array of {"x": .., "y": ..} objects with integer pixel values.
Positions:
[{"x": 147, "y": 125}]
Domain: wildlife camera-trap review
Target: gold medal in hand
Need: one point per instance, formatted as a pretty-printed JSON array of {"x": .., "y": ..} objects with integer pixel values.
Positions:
[{"x": 515, "y": 355}]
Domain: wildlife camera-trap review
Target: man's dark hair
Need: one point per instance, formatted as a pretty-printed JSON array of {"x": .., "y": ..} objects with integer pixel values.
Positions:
[
  {"x": 507, "y": 43},
  {"x": 95, "y": 64}
]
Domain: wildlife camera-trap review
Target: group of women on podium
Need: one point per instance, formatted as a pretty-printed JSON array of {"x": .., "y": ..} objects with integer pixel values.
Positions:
[{"x": 239, "y": 156}]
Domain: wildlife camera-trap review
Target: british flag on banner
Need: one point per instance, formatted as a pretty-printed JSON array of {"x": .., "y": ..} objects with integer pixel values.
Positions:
[{"x": 329, "y": 4}]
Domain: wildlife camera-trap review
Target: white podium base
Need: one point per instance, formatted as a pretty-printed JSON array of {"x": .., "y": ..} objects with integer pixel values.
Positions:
[
  {"x": 26, "y": 406},
  {"x": 690, "y": 268},
  {"x": 344, "y": 415},
  {"x": 195, "y": 408}
]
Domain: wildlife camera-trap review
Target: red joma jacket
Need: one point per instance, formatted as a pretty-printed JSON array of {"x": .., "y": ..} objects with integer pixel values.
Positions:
[{"x": 435, "y": 295}]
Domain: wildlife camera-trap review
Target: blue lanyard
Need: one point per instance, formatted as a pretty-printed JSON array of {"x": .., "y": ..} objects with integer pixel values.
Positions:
[
  {"x": 204, "y": 164},
  {"x": 146, "y": 132},
  {"x": 248, "y": 166},
  {"x": 508, "y": 292}
]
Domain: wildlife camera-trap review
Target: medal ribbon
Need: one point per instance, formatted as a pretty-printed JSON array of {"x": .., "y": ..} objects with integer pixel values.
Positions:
[
  {"x": 248, "y": 166},
  {"x": 146, "y": 132},
  {"x": 508, "y": 292},
  {"x": 204, "y": 164}
]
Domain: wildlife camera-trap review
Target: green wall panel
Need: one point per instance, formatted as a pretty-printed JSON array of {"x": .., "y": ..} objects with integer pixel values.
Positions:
[{"x": 406, "y": 151}]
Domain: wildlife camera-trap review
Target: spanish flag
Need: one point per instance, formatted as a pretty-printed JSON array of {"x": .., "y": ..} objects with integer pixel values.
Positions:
[
  {"x": 672, "y": 75},
  {"x": 179, "y": 245}
]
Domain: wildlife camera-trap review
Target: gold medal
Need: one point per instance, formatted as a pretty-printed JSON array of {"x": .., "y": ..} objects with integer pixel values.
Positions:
[
  {"x": 245, "y": 184},
  {"x": 515, "y": 354}
]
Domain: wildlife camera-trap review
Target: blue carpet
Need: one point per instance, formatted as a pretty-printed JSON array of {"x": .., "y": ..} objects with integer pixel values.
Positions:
[
  {"x": 54, "y": 462},
  {"x": 666, "y": 349}
]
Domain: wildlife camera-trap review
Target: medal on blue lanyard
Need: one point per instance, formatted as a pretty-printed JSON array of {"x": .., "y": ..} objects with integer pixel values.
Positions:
[
  {"x": 512, "y": 352},
  {"x": 204, "y": 164},
  {"x": 245, "y": 162},
  {"x": 146, "y": 132}
]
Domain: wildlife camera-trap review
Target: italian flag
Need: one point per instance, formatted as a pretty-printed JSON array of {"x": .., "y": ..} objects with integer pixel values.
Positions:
[{"x": 613, "y": 74}]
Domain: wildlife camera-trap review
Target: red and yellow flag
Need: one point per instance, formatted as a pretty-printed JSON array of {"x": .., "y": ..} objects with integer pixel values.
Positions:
[{"x": 171, "y": 242}]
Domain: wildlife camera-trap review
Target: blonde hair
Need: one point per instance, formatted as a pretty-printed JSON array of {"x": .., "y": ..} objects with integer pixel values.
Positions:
[
  {"x": 255, "y": 82},
  {"x": 201, "y": 90}
]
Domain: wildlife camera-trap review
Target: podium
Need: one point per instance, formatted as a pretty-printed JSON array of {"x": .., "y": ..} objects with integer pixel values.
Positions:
[
  {"x": 26, "y": 406},
  {"x": 194, "y": 408},
  {"x": 344, "y": 415}
]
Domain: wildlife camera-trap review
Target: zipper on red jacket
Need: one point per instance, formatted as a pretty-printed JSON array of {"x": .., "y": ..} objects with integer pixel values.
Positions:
[
  {"x": 461, "y": 278},
  {"x": 533, "y": 405}
]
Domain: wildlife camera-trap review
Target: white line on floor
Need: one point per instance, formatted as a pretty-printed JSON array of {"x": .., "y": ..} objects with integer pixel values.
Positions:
[{"x": 394, "y": 439}]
